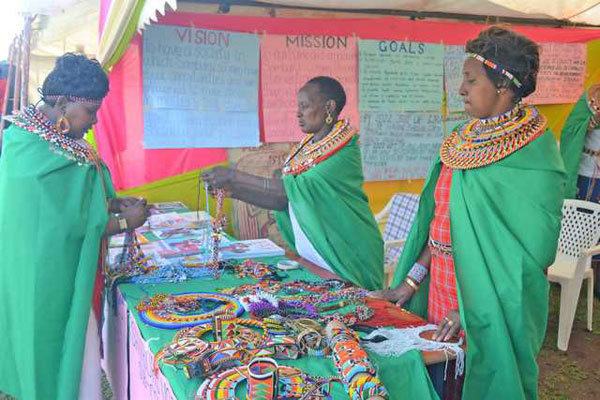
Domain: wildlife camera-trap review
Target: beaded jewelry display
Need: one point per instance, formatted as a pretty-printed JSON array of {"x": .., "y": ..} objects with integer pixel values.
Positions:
[
  {"x": 482, "y": 142},
  {"x": 35, "y": 121},
  {"x": 353, "y": 364},
  {"x": 234, "y": 344},
  {"x": 131, "y": 262},
  {"x": 288, "y": 383},
  {"x": 186, "y": 309},
  {"x": 305, "y": 156}
]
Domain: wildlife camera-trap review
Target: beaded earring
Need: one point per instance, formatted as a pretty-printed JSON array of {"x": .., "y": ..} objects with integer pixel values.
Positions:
[
  {"x": 329, "y": 119},
  {"x": 63, "y": 125}
]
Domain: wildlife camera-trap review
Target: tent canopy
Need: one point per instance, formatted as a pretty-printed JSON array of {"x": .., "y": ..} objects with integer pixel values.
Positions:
[{"x": 580, "y": 11}]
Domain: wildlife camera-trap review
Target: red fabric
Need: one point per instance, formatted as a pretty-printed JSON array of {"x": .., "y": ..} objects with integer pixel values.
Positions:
[
  {"x": 120, "y": 132},
  {"x": 2, "y": 90},
  {"x": 388, "y": 314},
  {"x": 391, "y": 28},
  {"x": 442, "y": 287}
]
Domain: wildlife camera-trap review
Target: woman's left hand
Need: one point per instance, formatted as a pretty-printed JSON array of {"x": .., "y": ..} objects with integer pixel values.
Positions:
[
  {"x": 448, "y": 327},
  {"x": 120, "y": 204}
]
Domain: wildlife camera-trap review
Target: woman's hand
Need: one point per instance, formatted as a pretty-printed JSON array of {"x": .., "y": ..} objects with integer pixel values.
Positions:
[
  {"x": 448, "y": 327},
  {"x": 220, "y": 178},
  {"x": 136, "y": 214},
  {"x": 399, "y": 295},
  {"x": 120, "y": 204}
]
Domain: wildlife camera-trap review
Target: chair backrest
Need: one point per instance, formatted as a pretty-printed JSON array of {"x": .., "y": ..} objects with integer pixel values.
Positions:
[
  {"x": 580, "y": 228},
  {"x": 402, "y": 212}
]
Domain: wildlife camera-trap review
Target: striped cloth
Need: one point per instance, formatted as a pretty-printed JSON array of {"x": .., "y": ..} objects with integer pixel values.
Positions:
[{"x": 442, "y": 287}]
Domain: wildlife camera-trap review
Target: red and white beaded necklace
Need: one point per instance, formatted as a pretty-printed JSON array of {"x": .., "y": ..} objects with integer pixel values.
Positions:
[{"x": 34, "y": 121}]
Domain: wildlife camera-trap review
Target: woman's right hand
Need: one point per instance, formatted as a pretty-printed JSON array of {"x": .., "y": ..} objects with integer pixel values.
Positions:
[
  {"x": 220, "y": 178},
  {"x": 136, "y": 215},
  {"x": 399, "y": 295}
]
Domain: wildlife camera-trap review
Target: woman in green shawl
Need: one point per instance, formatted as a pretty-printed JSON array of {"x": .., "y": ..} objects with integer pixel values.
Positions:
[
  {"x": 488, "y": 224},
  {"x": 56, "y": 201},
  {"x": 320, "y": 207},
  {"x": 580, "y": 149}
]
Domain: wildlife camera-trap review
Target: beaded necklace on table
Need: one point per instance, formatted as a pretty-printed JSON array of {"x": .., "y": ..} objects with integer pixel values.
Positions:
[
  {"x": 305, "y": 155},
  {"x": 34, "y": 121},
  {"x": 482, "y": 142}
]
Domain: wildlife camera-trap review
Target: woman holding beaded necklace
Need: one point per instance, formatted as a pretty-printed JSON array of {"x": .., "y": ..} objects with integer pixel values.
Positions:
[
  {"x": 488, "y": 224},
  {"x": 55, "y": 212},
  {"x": 320, "y": 207}
]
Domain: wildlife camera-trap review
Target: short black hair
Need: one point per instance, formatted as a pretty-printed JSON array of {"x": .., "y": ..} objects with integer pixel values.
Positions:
[
  {"x": 516, "y": 53},
  {"x": 331, "y": 89},
  {"x": 76, "y": 75}
]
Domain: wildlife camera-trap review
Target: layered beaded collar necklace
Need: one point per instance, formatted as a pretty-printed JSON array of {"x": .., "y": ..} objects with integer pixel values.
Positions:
[
  {"x": 482, "y": 142},
  {"x": 34, "y": 121},
  {"x": 306, "y": 155}
]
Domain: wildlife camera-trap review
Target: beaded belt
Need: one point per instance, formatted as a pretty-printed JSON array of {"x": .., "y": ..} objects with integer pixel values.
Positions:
[
  {"x": 439, "y": 247},
  {"x": 593, "y": 153}
]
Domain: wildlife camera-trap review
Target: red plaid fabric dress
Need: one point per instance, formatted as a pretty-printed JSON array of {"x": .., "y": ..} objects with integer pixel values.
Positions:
[{"x": 442, "y": 286}]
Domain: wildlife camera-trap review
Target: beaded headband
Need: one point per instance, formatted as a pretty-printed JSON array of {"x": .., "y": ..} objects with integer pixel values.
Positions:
[
  {"x": 496, "y": 67},
  {"x": 82, "y": 100}
]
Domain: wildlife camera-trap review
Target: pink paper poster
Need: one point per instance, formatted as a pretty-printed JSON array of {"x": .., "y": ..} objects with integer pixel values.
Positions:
[
  {"x": 562, "y": 73},
  {"x": 288, "y": 62}
]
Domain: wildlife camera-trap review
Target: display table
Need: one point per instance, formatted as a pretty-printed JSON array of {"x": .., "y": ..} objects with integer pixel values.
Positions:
[{"x": 130, "y": 344}]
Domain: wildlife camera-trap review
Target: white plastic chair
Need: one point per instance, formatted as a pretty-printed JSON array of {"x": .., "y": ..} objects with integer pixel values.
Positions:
[
  {"x": 395, "y": 221},
  {"x": 577, "y": 244}
]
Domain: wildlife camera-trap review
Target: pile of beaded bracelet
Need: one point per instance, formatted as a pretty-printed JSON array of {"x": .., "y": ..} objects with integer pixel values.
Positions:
[{"x": 353, "y": 364}]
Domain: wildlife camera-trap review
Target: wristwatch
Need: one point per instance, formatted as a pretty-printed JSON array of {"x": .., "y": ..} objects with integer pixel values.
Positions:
[{"x": 123, "y": 224}]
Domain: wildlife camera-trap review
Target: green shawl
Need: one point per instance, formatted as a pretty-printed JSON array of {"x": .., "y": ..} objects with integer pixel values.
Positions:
[
  {"x": 572, "y": 141},
  {"x": 505, "y": 222},
  {"x": 334, "y": 214},
  {"x": 52, "y": 218}
]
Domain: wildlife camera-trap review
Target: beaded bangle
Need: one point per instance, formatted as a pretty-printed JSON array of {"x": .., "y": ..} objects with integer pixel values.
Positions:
[
  {"x": 418, "y": 272},
  {"x": 412, "y": 283}
]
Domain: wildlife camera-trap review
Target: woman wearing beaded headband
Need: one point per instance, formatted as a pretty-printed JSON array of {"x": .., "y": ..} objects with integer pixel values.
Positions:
[
  {"x": 320, "y": 207},
  {"x": 54, "y": 215},
  {"x": 580, "y": 149},
  {"x": 488, "y": 224}
]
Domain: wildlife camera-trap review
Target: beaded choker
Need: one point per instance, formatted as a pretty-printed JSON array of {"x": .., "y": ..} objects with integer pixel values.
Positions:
[
  {"x": 482, "y": 142},
  {"x": 304, "y": 155},
  {"x": 34, "y": 121}
]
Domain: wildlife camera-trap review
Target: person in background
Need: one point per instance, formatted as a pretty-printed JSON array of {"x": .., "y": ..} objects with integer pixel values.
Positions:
[
  {"x": 56, "y": 210},
  {"x": 580, "y": 150},
  {"x": 320, "y": 207},
  {"x": 488, "y": 224}
]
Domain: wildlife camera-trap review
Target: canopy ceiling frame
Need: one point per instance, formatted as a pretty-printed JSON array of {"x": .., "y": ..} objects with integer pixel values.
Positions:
[{"x": 411, "y": 14}]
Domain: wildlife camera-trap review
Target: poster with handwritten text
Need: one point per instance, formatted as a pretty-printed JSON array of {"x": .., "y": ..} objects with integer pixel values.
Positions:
[
  {"x": 400, "y": 76},
  {"x": 288, "y": 62},
  {"x": 200, "y": 88},
  {"x": 454, "y": 58},
  {"x": 397, "y": 145},
  {"x": 561, "y": 78}
]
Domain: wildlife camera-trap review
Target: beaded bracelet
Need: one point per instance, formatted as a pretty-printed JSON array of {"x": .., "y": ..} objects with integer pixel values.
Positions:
[{"x": 418, "y": 272}]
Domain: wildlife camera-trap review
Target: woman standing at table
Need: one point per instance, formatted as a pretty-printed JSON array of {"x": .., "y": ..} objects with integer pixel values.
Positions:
[
  {"x": 580, "y": 149},
  {"x": 488, "y": 224},
  {"x": 56, "y": 199},
  {"x": 320, "y": 207}
]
